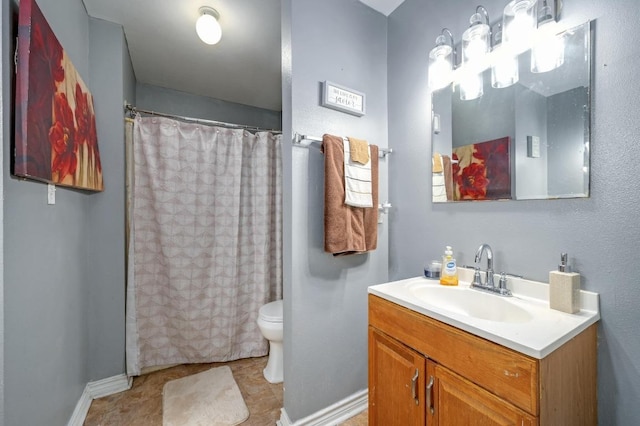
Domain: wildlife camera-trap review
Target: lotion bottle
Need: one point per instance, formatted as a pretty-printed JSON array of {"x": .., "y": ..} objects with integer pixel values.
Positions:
[
  {"x": 564, "y": 288},
  {"x": 449, "y": 273}
]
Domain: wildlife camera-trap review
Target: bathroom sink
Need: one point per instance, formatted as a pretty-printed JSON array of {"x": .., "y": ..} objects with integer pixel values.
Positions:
[
  {"x": 523, "y": 322},
  {"x": 471, "y": 303}
]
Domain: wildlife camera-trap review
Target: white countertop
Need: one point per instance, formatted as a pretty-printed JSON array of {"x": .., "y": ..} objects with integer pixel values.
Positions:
[{"x": 544, "y": 331}]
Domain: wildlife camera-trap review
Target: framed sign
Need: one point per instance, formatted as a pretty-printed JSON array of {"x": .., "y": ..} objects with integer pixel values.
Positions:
[{"x": 343, "y": 99}]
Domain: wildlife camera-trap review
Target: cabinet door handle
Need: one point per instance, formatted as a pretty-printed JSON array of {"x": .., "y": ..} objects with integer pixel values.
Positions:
[
  {"x": 429, "y": 390},
  {"x": 414, "y": 387}
]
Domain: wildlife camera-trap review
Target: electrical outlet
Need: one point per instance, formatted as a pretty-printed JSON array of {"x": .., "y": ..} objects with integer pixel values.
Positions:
[{"x": 51, "y": 194}]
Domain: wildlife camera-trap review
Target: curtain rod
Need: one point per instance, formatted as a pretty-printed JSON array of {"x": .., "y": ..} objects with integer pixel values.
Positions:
[{"x": 134, "y": 110}]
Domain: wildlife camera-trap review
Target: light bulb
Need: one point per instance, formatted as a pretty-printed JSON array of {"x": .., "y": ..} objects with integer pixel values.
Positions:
[
  {"x": 471, "y": 87},
  {"x": 208, "y": 27},
  {"x": 504, "y": 72},
  {"x": 475, "y": 42},
  {"x": 519, "y": 23},
  {"x": 475, "y": 49}
]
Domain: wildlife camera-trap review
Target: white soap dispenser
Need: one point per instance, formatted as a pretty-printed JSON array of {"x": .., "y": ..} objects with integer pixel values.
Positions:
[{"x": 564, "y": 288}]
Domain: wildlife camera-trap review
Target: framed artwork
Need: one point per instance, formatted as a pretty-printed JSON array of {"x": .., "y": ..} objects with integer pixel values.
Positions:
[
  {"x": 56, "y": 140},
  {"x": 482, "y": 171}
]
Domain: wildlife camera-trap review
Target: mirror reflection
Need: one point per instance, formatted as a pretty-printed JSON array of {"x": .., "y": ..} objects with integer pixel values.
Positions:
[{"x": 529, "y": 140}]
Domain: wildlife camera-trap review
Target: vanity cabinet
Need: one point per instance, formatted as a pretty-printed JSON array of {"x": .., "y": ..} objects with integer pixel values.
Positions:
[{"x": 425, "y": 372}]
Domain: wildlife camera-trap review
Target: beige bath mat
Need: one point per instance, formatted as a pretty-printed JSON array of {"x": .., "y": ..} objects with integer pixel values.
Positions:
[{"x": 210, "y": 398}]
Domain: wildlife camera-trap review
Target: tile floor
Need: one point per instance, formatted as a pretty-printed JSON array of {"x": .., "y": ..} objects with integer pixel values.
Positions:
[{"x": 142, "y": 404}]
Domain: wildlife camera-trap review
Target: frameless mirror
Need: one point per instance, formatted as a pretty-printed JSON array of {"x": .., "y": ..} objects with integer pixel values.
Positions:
[{"x": 526, "y": 141}]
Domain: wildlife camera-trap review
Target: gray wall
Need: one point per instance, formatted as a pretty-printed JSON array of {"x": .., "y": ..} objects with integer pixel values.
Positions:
[
  {"x": 600, "y": 233},
  {"x": 170, "y": 101},
  {"x": 111, "y": 76},
  {"x": 64, "y": 273},
  {"x": 129, "y": 75},
  {"x": 46, "y": 312},
  {"x": 325, "y": 319}
]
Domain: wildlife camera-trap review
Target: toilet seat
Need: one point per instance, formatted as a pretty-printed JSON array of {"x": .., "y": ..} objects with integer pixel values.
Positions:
[{"x": 271, "y": 312}]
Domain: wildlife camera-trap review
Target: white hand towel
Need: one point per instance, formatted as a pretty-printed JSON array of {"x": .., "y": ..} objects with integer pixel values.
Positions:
[{"x": 357, "y": 180}]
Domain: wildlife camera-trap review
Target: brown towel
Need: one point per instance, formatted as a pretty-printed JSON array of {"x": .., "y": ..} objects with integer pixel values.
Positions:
[
  {"x": 359, "y": 150},
  {"x": 448, "y": 177},
  {"x": 347, "y": 229}
]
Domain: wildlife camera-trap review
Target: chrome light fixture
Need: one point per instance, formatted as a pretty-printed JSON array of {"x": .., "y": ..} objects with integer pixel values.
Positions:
[
  {"x": 207, "y": 25},
  {"x": 441, "y": 61},
  {"x": 548, "y": 52},
  {"x": 475, "y": 46},
  {"x": 505, "y": 70},
  {"x": 519, "y": 22}
]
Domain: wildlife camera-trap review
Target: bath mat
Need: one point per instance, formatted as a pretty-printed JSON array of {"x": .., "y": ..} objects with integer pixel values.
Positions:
[{"x": 210, "y": 398}]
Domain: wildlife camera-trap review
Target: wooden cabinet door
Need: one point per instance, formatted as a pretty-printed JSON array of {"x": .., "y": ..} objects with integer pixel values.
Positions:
[
  {"x": 460, "y": 402},
  {"x": 396, "y": 382}
]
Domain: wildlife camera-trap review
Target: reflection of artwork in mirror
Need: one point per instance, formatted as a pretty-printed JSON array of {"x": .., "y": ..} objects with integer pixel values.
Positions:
[
  {"x": 482, "y": 171},
  {"x": 550, "y": 108}
]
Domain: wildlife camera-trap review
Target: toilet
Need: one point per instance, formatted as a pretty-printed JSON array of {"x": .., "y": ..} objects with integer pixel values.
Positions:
[{"x": 270, "y": 325}]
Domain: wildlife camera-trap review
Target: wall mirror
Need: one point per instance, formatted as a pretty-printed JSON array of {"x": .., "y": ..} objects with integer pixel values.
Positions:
[{"x": 529, "y": 140}]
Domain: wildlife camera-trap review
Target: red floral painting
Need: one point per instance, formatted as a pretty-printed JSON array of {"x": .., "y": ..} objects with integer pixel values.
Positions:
[
  {"x": 56, "y": 140},
  {"x": 482, "y": 171}
]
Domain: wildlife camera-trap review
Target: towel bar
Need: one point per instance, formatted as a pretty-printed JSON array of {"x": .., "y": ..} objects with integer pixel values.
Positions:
[{"x": 299, "y": 139}]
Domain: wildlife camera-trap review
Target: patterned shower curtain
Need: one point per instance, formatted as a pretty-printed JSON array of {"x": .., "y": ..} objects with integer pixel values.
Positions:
[{"x": 205, "y": 245}]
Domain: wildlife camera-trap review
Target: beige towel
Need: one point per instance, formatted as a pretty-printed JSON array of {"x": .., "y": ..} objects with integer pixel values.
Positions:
[
  {"x": 437, "y": 163},
  {"x": 347, "y": 229},
  {"x": 359, "y": 150}
]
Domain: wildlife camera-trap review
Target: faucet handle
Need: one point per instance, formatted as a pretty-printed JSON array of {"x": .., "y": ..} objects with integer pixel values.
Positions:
[
  {"x": 477, "y": 279},
  {"x": 502, "y": 284},
  {"x": 503, "y": 280}
]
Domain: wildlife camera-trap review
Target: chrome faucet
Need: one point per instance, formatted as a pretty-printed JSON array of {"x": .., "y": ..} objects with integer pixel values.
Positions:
[
  {"x": 489, "y": 284},
  {"x": 485, "y": 248}
]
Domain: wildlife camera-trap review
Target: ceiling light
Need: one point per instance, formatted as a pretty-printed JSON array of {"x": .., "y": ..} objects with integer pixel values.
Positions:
[{"x": 207, "y": 25}]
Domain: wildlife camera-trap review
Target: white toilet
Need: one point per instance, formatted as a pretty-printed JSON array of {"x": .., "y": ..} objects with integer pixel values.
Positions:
[{"x": 270, "y": 324}]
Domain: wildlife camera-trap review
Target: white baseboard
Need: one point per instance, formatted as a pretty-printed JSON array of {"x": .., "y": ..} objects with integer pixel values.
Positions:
[
  {"x": 82, "y": 408},
  {"x": 109, "y": 386},
  {"x": 333, "y": 414},
  {"x": 98, "y": 389}
]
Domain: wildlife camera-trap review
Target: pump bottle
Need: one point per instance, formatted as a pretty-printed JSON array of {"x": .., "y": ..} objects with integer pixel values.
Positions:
[{"x": 449, "y": 273}]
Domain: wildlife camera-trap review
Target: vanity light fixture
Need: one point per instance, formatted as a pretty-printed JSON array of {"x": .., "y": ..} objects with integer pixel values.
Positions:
[
  {"x": 442, "y": 60},
  {"x": 548, "y": 52},
  {"x": 519, "y": 22},
  {"x": 475, "y": 46},
  {"x": 207, "y": 25}
]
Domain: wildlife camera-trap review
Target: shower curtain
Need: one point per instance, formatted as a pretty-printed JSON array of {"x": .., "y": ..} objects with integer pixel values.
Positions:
[{"x": 204, "y": 241}]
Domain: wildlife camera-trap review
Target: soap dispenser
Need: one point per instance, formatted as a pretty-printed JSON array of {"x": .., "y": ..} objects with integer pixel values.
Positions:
[
  {"x": 449, "y": 273},
  {"x": 564, "y": 288}
]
